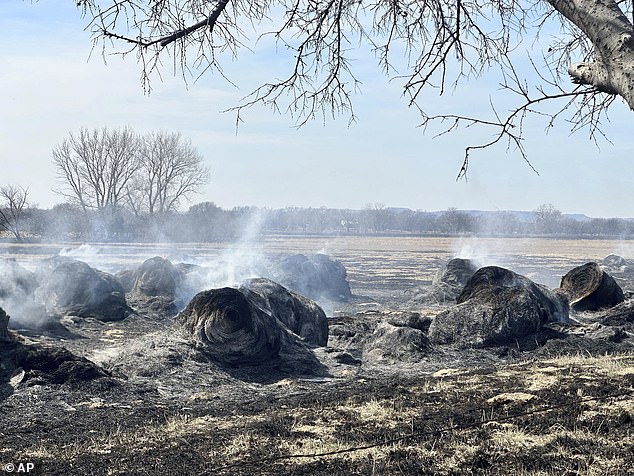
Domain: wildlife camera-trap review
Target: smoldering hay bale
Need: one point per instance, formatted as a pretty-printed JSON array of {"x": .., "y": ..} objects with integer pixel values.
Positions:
[
  {"x": 231, "y": 328},
  {"x": 317, "y": 276},
  {"x": 590, "y": 288},
  {"x": 497, "y": 307},
  {"x": 156, "y": 277},
  {"x": 71, "y": 287},
  {"x": 153, "y": 288},
  {"x": 448, "y": 282},
  {"x": 614, "y": 262},
  {"x": 17, "y": 286},
  {"x": 15, "y": 280},
  {"x": 389, "y": 343},
  {"x": 4, "y": 324},
  {"x": 455, "y": 273},
  {"x": 301, "y": 315}
]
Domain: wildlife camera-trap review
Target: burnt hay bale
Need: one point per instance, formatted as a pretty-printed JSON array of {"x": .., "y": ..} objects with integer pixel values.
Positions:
[
  {"x": 299, "y": 314},
  {"x": 228, "y": 326},
  {"x": 56, "y": 365},
  {"x": 15, "y": 280},
  {"x": 156, "y": 277},
  {"x": 392, "y": 343},
  {"x": 449, "y": 281},
  {"x": 614, "y": 262},
  {"x": 71, "y": 287},
  {"x": 317, "y": 276},
  {"x": 497, "y": 307},
  {"x": 4, "y": 323},
  {"x": 590, "y": 288},
  {"x": 153, "y": 287}
]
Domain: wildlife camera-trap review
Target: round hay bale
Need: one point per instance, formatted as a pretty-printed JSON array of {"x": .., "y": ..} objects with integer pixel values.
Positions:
[
  {"x": 301, "y": 315},
  {"x": 497, "y": 307},
  {"x": 396, "y": 343},
  {"x": 71, "y": 287},
  {"x": 590, "y": 288},
  {"x": 156, "y": 277},
  {"x": 455, "y": 273},
  {"x": 448, "y": 282},
  {"x": 614, "y": 262},
  {"x": 317, "y": 277},
  {"x": 4, "y": 323},
  {"x": 230, "y": 328}
]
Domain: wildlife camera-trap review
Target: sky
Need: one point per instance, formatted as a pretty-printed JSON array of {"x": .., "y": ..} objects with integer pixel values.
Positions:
[{"x": 52, "y": 84}]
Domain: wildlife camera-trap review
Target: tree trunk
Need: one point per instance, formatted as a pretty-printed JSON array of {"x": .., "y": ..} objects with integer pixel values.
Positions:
[{"x": 612, "y": 35}]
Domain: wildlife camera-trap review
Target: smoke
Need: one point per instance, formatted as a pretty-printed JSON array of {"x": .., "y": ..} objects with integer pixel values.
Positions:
[
  {"x": 17, "y": 285},
  {"x": 237, "y": 262},
  {"x": 475, "y": 249}
]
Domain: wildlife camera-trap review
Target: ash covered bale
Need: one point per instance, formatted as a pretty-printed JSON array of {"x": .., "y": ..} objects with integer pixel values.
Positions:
[
  {"x": 127, "y": 278},
  {"x": 153, "y": 286},
  {"x": 4, "y": 324},
  {"x": 448, "y": 282},
  {"x": 497, "y": 307},
  {"x": 590, "y": 288},
  {"x": 396, "y": 343},
  {"x": 156, "y": 277},
  {"x": 317, "y": 276},
  {"x": 71, "y": 287},
  {"x": 55, "y": 365},
  {"x": 614, "y": 263},
  {"x": 301, "y": 315},
  {"x": 455, "y": 274},
  {"x": 17, "y": 286},
  {"x": 15, "y": 280}
]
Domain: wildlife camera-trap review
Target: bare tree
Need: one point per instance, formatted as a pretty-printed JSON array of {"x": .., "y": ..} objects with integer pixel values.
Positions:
[
  {"x": 13, "y": 209},
  {"x": 96, "y": 166},
  {"x": 547, "y": 218},
  {"x": 171, "y": 170},
  {"x": 422, "y": 44}
]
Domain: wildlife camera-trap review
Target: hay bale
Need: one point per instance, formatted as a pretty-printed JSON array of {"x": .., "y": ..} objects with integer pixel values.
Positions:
[
  {"x": 590, "y": 288},
  {"x": 229, "y": 327},
  {"x": 455, "y": 273},
  {"x": 4, "y": 323},
  {"x": 390, "y": 343},
  {"x": 448, "y": 282},
  {"x": 614, "y": 262},
  {"x": 497, "y": 307},
  {"x": 299, "y": 314},
  {"x": 71, "y": 287},
  {"x": 156, "y": 277},
  {"x": 317, "y": 277},
  {"x": 153, "y": 287}
]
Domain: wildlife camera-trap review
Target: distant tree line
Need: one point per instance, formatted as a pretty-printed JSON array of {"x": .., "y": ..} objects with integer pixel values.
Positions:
[{"x": 205, "y": 222}]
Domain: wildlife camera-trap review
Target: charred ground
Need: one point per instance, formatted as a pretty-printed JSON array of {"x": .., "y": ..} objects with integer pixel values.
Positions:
[{"x": 560, "y": 403}]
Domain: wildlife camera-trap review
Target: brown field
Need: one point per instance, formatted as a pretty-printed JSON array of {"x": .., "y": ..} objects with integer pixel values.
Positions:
[{"x": 559, "y": 410}]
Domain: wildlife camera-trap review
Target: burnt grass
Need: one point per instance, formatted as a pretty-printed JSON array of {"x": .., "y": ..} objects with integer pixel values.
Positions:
[
  {"x": 562, "y": 406},
  {"x": 563, "y": 415}
]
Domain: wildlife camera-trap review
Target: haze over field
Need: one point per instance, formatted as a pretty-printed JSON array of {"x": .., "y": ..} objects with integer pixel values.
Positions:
[{"x": 53, "y": 85}]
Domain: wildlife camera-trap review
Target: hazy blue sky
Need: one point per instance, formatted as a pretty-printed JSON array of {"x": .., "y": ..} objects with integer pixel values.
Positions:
[{"x": 51, "y": 85}]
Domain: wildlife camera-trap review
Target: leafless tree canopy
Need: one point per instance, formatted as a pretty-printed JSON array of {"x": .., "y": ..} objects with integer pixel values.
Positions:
[
  {"x": 112, "y": 168},
  {"x": 171, "y": 171},
  {"x": 13, "y": 205},
  {"x": 423, "y": 44},
  {"x": 96, "y": 166}
]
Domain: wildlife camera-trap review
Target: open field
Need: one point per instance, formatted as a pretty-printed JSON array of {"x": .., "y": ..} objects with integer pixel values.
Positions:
[{"x": 565, "y": 407}]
